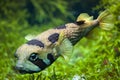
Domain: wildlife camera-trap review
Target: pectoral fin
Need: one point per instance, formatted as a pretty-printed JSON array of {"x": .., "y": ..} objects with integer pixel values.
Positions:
[{"x": 66, "y": 49}]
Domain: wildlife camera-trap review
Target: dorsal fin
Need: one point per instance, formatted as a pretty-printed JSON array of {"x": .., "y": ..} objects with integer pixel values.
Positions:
[{"x": 84, "y": 17}]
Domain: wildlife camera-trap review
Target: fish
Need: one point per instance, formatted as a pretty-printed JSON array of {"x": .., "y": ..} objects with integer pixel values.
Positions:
[{"x": 42, "y": 50}]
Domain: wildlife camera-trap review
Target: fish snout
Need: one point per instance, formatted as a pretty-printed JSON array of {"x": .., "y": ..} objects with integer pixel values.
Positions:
[{"x": 19, "y": 67}]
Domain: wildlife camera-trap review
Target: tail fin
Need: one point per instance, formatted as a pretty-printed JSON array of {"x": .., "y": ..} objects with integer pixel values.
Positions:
[{"x": 106, "y": 20}]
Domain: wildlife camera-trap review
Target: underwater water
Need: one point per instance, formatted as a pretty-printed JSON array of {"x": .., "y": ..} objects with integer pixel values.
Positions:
[{"x": 95, "y": 57}]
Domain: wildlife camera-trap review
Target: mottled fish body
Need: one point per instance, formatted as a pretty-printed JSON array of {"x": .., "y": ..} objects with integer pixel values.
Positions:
[{"x": 42, "y": 50}]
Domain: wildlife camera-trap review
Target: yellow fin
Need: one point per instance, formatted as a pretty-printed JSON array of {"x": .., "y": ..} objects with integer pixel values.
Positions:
[
  {"x": 61, "y": 38},
  {"x": 106, "y": 26},
  {"x": 84, "y": 16},
  {"x": 64, "y": 47},
  {"x": 106, "y": 20}
]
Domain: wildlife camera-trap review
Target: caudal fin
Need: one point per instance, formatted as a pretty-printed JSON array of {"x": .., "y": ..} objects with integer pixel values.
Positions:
[{"x": 106, "y": 20}]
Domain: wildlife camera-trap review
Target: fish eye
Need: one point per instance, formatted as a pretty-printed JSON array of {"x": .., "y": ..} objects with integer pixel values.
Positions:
[{"x": 33, "y": 57}]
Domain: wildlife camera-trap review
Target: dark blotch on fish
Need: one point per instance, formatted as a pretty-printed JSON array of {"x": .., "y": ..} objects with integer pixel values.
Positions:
[
  {"x": 80, "y": 22},
  {"x": 50, "y": 57},
  {"x": 53, "y": 38},
  {"x": 40, "y": 63},
  {"x": 35, "y": 42}
]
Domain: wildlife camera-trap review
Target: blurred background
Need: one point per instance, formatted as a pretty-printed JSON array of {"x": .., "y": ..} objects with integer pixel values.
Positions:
[{"x": 95, "y": 57}]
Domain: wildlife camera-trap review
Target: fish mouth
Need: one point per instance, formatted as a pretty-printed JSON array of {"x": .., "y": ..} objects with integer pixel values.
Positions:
[
  {"x": 27, "y": 72},
  {"x": 23, "y": 71}
]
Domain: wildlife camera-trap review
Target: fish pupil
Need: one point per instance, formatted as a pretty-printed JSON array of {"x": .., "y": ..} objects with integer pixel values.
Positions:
[{"x": 33, "y": 57}]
